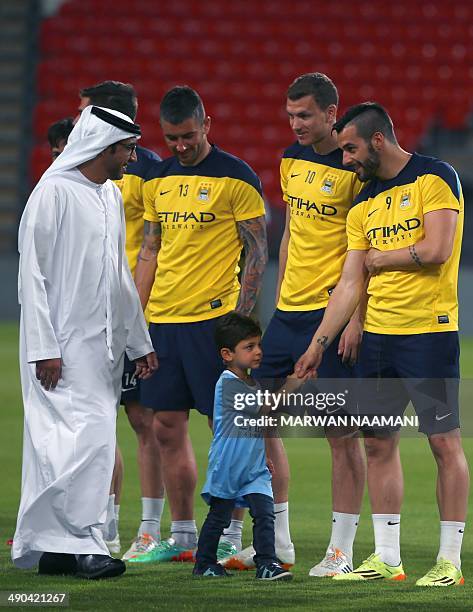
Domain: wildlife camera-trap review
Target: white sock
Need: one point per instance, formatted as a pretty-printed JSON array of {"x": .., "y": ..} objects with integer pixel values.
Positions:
[
  {"x": 109, "y": 528},
  {"x": 233, "y": 533},
  {"x": 344, "y": 528},
  {"x": 116, "y": 511},
  {"x": 184, "y": 533},
  {"x": 281, "y": 525},
  {"x": 152, "y": 510},
  {"x": 386, "y": 537},
  {"x": 451, "y": 537}
]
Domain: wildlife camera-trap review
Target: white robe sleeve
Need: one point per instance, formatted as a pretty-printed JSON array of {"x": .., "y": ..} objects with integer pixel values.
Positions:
[
  {"x": 138, "y": 341},
  {"x": 37, "y": 237}
]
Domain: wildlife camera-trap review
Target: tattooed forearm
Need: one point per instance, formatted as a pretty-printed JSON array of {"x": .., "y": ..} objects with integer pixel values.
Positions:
[
  {"x": 323, "y": 341},
  {"x": 151, "y": 241},
  {"x": 253, "y": 235},
  {"x": 415, "y": 257}
]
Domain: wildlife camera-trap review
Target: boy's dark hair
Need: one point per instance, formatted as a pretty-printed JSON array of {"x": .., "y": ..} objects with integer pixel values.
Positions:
[
  {"x": 181, "y": 103},
  {"x": 115, "y": 95},
  {"x": 369, "y": 118},
  {"x": 234, "y": 327},
  {"x": 60, "y": 130},
  {"x": 317, "y": 85}
]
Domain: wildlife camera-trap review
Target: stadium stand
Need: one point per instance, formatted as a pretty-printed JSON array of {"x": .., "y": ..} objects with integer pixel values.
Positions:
[{"x": 414, "y": 57}]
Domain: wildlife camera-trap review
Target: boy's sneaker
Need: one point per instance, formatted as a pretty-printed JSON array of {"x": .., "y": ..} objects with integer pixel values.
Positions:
[
  {"x": 164, "y": 552},
  {"x": 374, "y": 569},
  {"x": 272, "y": 571},
  {"x": 141, "y": 545},
  {"x": 244, "y": 559},
  {"x": 225, "y": 549},
  {"x": 444, "y": 573},
  {"x": 210, "y": 571},
  {"x": 335, "y": 562}
]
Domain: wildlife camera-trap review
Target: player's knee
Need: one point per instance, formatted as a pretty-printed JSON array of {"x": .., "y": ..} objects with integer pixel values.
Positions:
[
  {"x": 446, "y": 446},
  {"x": 380, "y": 449},
  {"x": 168, "y": 433}
]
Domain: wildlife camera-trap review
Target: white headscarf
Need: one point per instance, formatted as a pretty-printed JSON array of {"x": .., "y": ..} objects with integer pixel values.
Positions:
[{"x": 89, "y": 137}]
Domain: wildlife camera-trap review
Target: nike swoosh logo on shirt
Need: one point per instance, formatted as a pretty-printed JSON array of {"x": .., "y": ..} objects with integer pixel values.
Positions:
[
  {"x": 444, "y": 416},
  {"x": 372, "y": 212},
  {"x": 293, "y": 175},
  {"x": 164, "y": 192}
]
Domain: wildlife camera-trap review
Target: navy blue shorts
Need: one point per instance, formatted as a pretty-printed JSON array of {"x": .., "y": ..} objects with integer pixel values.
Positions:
[
  {"x": 422, "y": 368},
  {"x": 189, "y": 367},
  {"x": 130, "y": 384},
  {"x": 287, "y": 337}
]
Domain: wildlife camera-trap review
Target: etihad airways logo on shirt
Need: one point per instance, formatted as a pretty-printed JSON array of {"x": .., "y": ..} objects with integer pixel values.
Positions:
[
  {"x": 308, "y": 206},
  {"x": 389, "y": 231},
  {"x": 186, "y": 217}
]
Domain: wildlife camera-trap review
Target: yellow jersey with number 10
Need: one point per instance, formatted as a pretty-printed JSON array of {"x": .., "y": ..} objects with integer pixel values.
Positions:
[{"x": 319, "y": 192}]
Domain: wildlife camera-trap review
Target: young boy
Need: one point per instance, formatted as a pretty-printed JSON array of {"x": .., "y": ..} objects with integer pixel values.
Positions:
[{"x": 237, "y": 473}]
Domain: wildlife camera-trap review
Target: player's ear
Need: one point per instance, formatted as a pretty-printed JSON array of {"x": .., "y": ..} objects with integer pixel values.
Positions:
[
  {"x": 377, "y": 140},
  {"x": 331, "y": 112},
  {"x": 207, "y": 122}
]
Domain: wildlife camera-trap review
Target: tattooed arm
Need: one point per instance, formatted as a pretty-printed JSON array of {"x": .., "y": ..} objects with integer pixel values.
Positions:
[
  {"x": 283, "y": 253},
  {"x": 147, "y": 260},
  {"x": 342, "y": 304},
  {"x": 434, "y": 249},
  {"x": 252, "y": 233}
]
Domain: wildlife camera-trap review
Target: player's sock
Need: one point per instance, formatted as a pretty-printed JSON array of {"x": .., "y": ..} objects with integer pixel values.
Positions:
[
  {"x": 184, "y": 533},
  {"x": 234, "y": 532},
  {"x": 386, "y": 537},
  {"x": 451, "y": 537},
  {"x": 281, "y": 526},
  {"x": 109, "y": 528},
  {"x": 152, "y": 510},
  {"x": 344, "y": 528},
  {"x": 116, "y": 512}
]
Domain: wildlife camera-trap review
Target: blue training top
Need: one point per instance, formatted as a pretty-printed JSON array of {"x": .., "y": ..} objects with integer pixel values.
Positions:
[{"x": 237, "y": 457}]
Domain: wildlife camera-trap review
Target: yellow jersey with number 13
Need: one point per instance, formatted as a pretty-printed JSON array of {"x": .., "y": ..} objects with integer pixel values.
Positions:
[{"x": 198, "y": 208}]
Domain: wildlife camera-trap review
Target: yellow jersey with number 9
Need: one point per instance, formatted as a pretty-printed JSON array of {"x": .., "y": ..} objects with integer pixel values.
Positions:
[
  {"x": 198, "y": 208},
  {"x": 319, "y": 192},
  {"x": 389, "y": 215}
]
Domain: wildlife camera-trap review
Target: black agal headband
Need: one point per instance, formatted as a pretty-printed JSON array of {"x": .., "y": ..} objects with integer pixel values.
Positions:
[{"x": 122, "y": 124}]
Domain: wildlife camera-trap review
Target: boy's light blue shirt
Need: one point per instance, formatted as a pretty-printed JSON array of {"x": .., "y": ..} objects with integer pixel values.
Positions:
[{"x": 237, "y": 462}]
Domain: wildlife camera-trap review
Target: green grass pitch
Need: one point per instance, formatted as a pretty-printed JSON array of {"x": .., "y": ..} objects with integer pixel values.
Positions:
[{"x": 172, "y": 587}]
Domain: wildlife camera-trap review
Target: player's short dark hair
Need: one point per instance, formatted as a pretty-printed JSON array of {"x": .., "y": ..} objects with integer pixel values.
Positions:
[
  {"x": 317, "y": 85},
  {"x": 181, "y": 103},
  {"x": 234, "y": 327},
  {"x": 60, "y": 130},
  {"x": 369, "y": 118},
  {"x": 115, "y": 95}
]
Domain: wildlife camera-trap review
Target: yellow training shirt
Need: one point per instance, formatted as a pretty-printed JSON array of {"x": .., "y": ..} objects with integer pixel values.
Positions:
[
  {"x": 198, "y": 208},
  {"x": 131, "y": 186},
  {"x": 319, "y": 192},
  {"x": 389, "y": 215}
]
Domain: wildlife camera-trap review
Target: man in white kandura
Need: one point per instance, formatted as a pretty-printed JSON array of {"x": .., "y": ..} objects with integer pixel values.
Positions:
[{"x": 79, "y": 313}]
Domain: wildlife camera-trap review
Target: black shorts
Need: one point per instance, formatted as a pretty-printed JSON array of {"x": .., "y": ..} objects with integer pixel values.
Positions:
[
  {"x": 189, "y": 367},
  {"x": 130, "y": 383},
  {"x": 421, "y": 368},
  {"x": 287, "y": 337}
]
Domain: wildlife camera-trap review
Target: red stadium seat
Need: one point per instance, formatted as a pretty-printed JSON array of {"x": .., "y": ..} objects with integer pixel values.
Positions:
[{"x": 414, "y": 57}]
